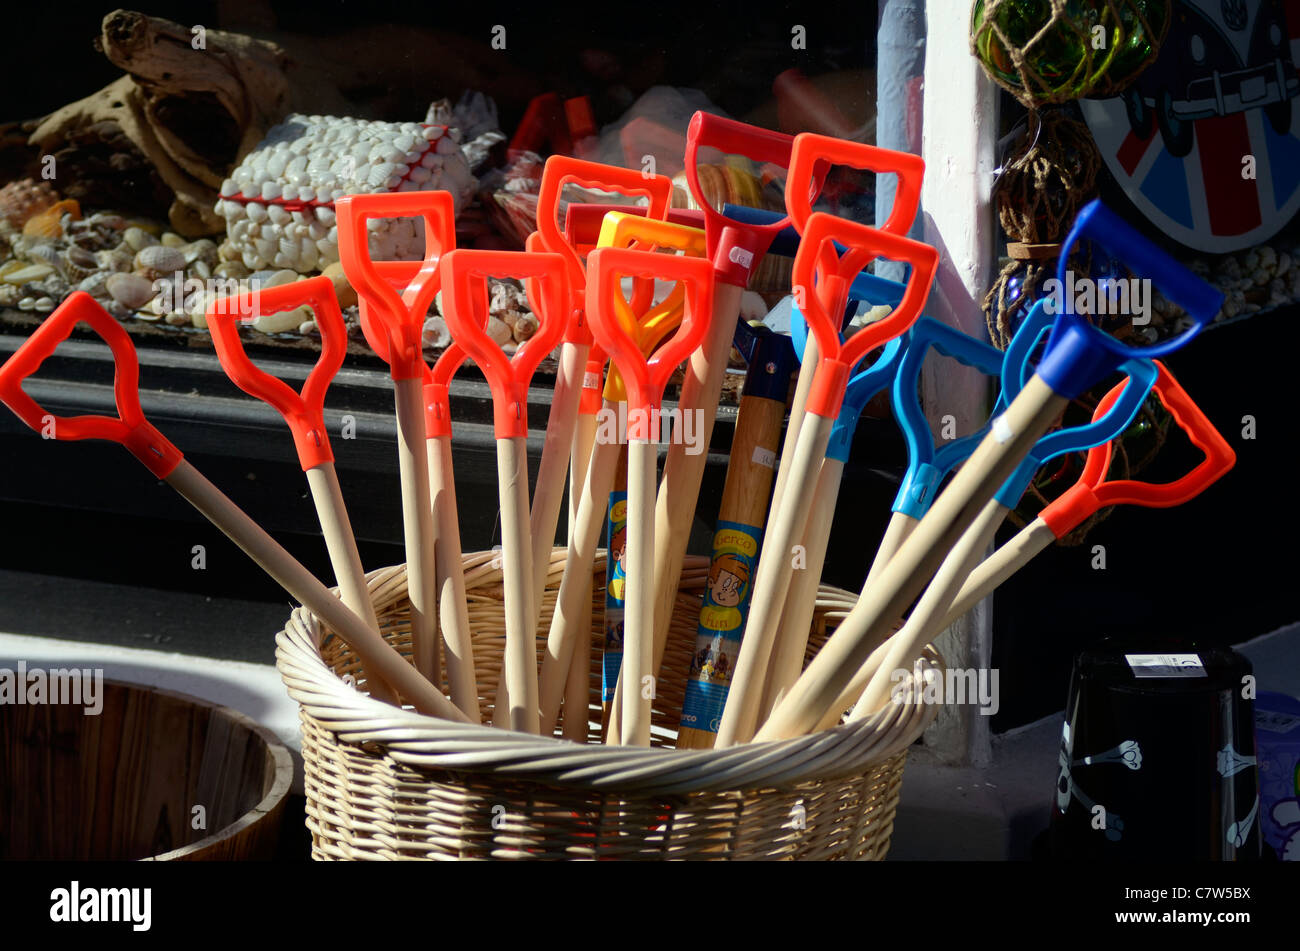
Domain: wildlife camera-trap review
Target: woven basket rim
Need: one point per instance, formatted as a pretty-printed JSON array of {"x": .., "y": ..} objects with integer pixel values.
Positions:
[{"x": 426, "y": 742}]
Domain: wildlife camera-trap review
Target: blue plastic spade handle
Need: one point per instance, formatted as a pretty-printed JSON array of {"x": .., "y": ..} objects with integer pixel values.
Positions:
[
  {"x": 1142, "y": 376},
  {"x": 865, "y": 287},
  {"x": 857, "y": 394},
  {"x": 1078, "y": 354},
  {"x": 1017, "y": 367},
  {"x": 927, "y": 466}
]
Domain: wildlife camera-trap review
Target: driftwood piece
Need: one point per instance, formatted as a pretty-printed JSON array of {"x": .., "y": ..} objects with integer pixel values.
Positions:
[{"x": 167, "y": 133}]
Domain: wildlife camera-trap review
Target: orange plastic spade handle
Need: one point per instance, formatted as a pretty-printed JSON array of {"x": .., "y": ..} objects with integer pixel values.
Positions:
[
  {"x": 129, "y": 427},
  {"x": 652, "y": 327},
  {"x": 437, "y": 408},
  {"x": 812, "y": 156},
  {"x": 1092, "y": 492},
  {"x": 561, "y": 170},
  {"x": 825, "y": 290},
  {"x": 615, "y": 327},
  {"x": 400, "y": 315},
  {"x": 466, "y": 314},
  {"x": 305, "y": 411}
]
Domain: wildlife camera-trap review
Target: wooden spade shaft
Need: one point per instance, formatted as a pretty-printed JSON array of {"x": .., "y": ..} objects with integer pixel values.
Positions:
[
  {"x": 902, "y": 649},
  {"x": 1012, "y": 435},
  {"x": 417, "y": 523},
  {"x": 577, "y": 688},
  {"x": 548, "y": 494},
  {"x": 638, "y": 676},
  {"x": 517, "y": 689},
  {"x": 575, "y": 584},
  {"x": 453, "y": 606},
  {"x": 801, "y": 600},
  {"x": 740, "y": 716},
  {"x": 376, "y": 654},
  {"x": 344, "y": 558}
]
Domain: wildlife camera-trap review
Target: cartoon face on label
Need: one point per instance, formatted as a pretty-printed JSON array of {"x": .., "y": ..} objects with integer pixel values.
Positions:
[
  {"x": 618, "y": 549},
  {"x": 728, "y": 580}
]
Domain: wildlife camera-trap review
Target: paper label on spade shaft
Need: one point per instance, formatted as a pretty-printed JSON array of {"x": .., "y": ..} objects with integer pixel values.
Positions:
[
  {"x": 721, "y": 624},
  {"x": 615, "y": 583}
]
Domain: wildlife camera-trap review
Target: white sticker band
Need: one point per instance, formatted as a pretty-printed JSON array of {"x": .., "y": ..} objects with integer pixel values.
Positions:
[
  {"x": 1001, "y": 429},
  {"x": 1166, "y": 665},
  {"x": 764, "y": 457},
  {"x": 590, "y": 381}
]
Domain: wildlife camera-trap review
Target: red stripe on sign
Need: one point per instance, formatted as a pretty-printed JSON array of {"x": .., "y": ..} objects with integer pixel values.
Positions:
[
  {"x": 1132, "y": 149},
  {"x": 1223, "y": 142}
]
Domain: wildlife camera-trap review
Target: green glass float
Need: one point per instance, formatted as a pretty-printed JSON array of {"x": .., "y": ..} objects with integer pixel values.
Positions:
[{"x": 1053, "y": 51}]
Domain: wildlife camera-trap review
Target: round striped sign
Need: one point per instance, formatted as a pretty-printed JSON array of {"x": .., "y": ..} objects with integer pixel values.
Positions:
[{"x": 1206, "y": 143}]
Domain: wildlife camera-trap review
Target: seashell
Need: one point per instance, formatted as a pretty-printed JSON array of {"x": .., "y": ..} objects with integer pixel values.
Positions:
[
  {"x": 178, "y": 319},
  {"x": 130, "y": 290},
  {"x": 435, "y": 334},
  {"x": 10, "y": 295},
  {"x": 27, "y": 272},
  {"x": 277, "y": 215},
  {"x": 45, "y": 253},
  {"x": 137, "y": 239},
  {"x": 499, "y": 331},
  {"x": 27, "y": 303},
  {"x": 201, "y": 270},
  {"x": 43, "y": 305},
  {"x": 229, "y": 188},
  {"x": 49, "y": 222},
  {"x": 53, "y": 286},
  {"x": 117, "y": 309},
  {"x": 115, "y": 260},
  {"x": 95, "y": 284},
  {"x": 21, "y": 199},
  {"x": 307, "y": 327},
  {"x": 79, "y": 263},
  {"x": 342, "y": 286},
  {"x": 525, "y": 326},
  {"x": 256, "y": 212},
  {"x": 203, "y": 249},
  {"x": 159, "y": 260},
  {"x": 147, "y": 317},
  {"x": 171, "y": 239},
  {"x": 282, "y": 322},
  {"x": 231, "y": 269}
]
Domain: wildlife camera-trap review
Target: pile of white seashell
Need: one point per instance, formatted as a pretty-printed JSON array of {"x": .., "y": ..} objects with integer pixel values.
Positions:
[{"x": 278, "y": 203}]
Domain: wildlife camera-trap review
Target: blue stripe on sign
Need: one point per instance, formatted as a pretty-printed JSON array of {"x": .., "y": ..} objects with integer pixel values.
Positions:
[
  {"x": 1283, "y": 162},
  {"x": 1166, "y": 187}
]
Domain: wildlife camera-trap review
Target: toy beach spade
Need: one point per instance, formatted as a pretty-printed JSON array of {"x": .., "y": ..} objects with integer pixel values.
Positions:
[
  {"x": 615, "y": 329},
  {"x": 1076, "y": 357},
  {"x": 166, "y": 462},
  {"x": 464, "y": 281}
]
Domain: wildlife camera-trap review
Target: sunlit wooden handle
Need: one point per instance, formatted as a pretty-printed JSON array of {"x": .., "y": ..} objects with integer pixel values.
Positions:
[{"x": 417, "y": 523}]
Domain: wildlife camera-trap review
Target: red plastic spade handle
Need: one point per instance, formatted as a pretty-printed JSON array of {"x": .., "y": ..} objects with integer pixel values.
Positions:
[
  {"x": 736, "y": 248},
  {"x": 399, "y": 274},
  {"x": 437, "y": 408},
  {"x": 305, "y": 411},
  {"x": 1092, "y": 492},
  {"x": 825, "y": 292},
  {"x": 401, "y": 315},
  {"x": 129, "y": 427},
  {"x": 466, "y": 312},
  {"x": 614, "y": 323},
  {"x": 561, "y": 170},
  {"x": 812, "y": 156}
]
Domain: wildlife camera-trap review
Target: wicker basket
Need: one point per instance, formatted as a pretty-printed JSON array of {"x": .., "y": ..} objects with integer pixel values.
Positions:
[{"x": 383, "y": 783}]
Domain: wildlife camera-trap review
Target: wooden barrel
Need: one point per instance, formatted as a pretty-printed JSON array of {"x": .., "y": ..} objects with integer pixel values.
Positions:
[{"x": 153, "y": 775}]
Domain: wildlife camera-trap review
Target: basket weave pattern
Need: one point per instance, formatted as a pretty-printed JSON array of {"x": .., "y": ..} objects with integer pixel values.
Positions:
[{"x": 383, "y": 783}]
